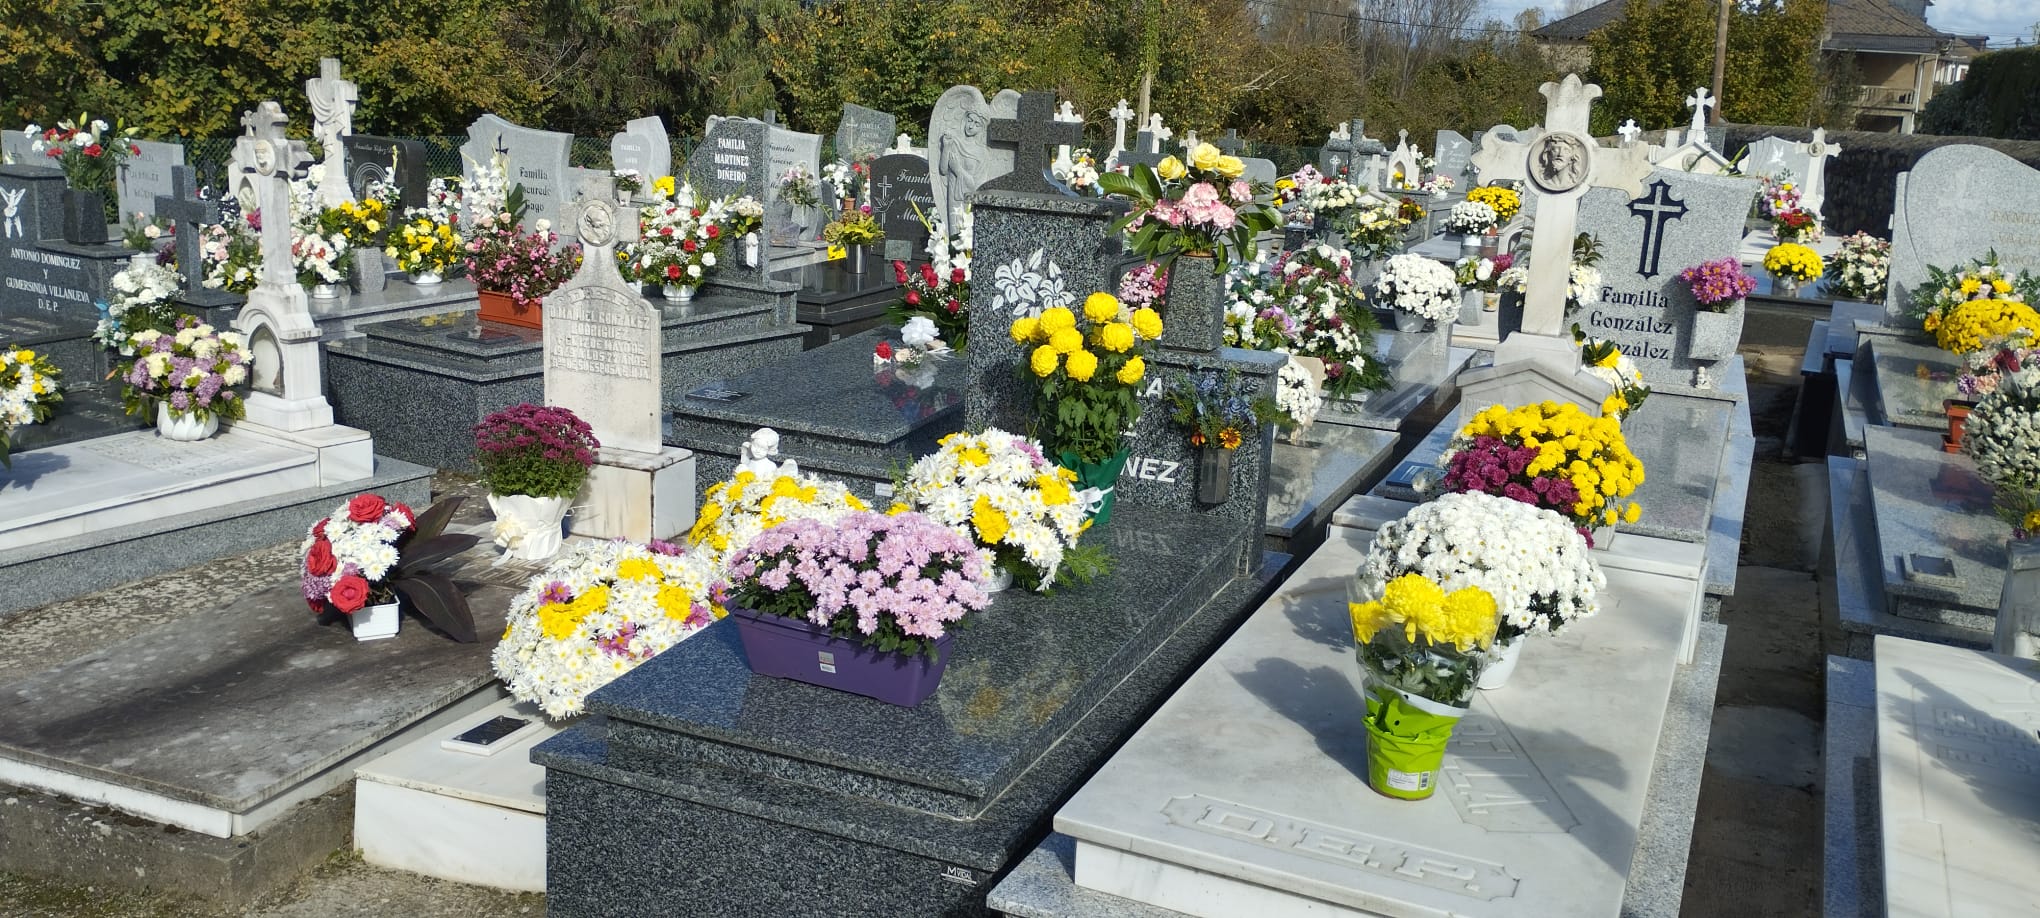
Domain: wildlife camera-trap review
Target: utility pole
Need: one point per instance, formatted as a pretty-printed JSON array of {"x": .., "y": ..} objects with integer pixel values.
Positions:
[{"x": 1720, "y": 56}]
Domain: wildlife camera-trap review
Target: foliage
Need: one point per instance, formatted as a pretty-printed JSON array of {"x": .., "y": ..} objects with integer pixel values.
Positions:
[
  {"x": 1995, "y": 100},
  {"x": 854, "y": 226},
  {"x": 1651, "y": 59},
  {"x": 1219, "y": 409},
  {"x": 533, "y": 450}
]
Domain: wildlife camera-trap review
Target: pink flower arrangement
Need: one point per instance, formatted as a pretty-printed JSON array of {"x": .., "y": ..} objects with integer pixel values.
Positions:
[
  {"x": 1145, "y": 286},
  {"x": 502, "y": 258},
  {"x": 896, "y": 583},
  {"x": 1492, "y": 466},
  {"x": 1719, "y": 283},
  {"x": 535, "y": 450}
]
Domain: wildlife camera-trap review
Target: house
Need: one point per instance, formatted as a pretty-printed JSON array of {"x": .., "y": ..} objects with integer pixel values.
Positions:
[{"x": 1899, "y": 59}]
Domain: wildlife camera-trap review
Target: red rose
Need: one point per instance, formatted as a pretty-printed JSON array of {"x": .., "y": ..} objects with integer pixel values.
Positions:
[
  {"x": 712, "y": 230},
  {"x": 320, "y": 561},
  {"x": 690, "y": 246},
  {"x": 409, "y": 515},
  {"x": 672, "y": 272},
  {"x": 913, "y": 299},
  {"x": 885, "y": 350},
  {"x": 319, "y": 529},
  {"x": 349, "y": 593},
  {"x": 956, "y": 275},
  {"x": 954, "y": 307},
  {"x": 899, "y": 271},
  {"x": 366, "y": 508},
  {"x": 928, "y": 274}
]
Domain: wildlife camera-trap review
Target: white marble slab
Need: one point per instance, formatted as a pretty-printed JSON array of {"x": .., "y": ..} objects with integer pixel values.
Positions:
[
  {"x": 1246, "y": 792},
  {"x": 1958, "y": 758}
]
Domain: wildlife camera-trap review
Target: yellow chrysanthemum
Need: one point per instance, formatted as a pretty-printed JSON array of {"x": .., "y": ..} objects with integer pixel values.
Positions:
[
  {"x": 557, "y": 621},
  {"x": 991, "y": 525},
  {"x": 1116, "y": 337},
  {"x": 1101, "y": 307},
  {"x": 637, "y": 569},
  {"x": 664, "y": 185},
  {"x": 1067, "y": 341},
  {"x": 1055, "y": 319},
  {"x": 677, "y": 603},
  {"x": 1054, "y": 491},
  {"x": 1024, "y": 329},
  {"x": 1132, "y": 372},
  {"x": 1082, "y": 364},
  {"x": 1634, "y": 513},
  {"x": 973, "y": 456},
  {"x": 1044, "y": 361},
  {"x": 1147, "y": 323}
]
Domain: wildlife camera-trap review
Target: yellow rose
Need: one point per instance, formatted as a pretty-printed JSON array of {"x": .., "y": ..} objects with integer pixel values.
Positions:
[
  {"x": 1132, "y": 372},
  {"x": 1231, "y": 167},
  {"x": 1044, "y": 360},
  {"x": 1056, "y": 319},
  {"x": 1024, "y": 329},
  {"x": 1169, "y": 168},
  {"x": 1116, "y": 337},
  {"x": 1067, "y": 341},
  {"x": 1101, "y": 307},
  {"x": 1082, "y": 364},
  {"x": 1205, "y": 157},
  {"x": 1147, "y": 323}
]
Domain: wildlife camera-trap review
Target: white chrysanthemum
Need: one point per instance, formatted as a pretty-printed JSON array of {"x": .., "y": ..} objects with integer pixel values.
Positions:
[{"x": 1531, "y": 559}]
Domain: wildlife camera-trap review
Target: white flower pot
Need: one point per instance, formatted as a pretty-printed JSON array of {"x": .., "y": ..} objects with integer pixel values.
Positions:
[
  {"x": 325, "y": 291},
  {"x": 426, "y": 279},
  {"x": 678, "y": 293},
  {"x": 528, "y": 528},
  {"x": 185, "y": 427},
  {"x": 750, "y": 250},
  {"x": 1501, "y": 663},
  {"x": 997, "y": 580},
  {"x": 374, "y": 623},
  {"x": 1469, "y": 244}
]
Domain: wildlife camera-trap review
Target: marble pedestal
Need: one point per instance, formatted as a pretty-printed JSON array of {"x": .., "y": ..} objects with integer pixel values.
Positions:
[{"x": 636, "y": 496}]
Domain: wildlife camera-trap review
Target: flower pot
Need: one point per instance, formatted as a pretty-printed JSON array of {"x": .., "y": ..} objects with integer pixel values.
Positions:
[
  {"x": 1958, "y": 422},
  {"x": 528, "y": 528},
  {"x": 1404, "y": 763},
  {"x": 791, "y": 648},
  {"x": 1602, "y": 538},
  {"x": 1787, "y": 287},
  {"x": 499, "y": 307},
  {"x": 1469, "y": 245},
  {"x": 325, "y": 291},
  {"x": 1214, "y": 475},
  {"x": 1489, "y": 302},
  {"x": 1716, "y": 334},
  {"x": 186, "y": 427},
  {"x": 1470, "y": 303},
  {"x": 623, "y": 197},
  {"x": 370, "y": 273},
  {"x": 1411, "y": 322},
  {"x": 374, "y": 623},
  {"x": 1096, "y": 483},
  {"x": 1501, "y": 663},
  {"x": 678, "y": 293},
  {"x": 853, "y": 258},
  {"x": 997, "y": 579},
  {"x": 427, "y": 279},
  {"x": 85, "y": 217}
]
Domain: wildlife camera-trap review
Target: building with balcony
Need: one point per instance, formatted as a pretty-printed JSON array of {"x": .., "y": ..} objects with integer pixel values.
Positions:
[{"x": 1898, "y": 58}]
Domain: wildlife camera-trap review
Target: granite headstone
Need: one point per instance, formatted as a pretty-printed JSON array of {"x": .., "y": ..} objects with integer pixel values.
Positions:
[
  {"x": 399, "y": 164},
  {"x": 901, "y": 195},
  {"x": 537, "y": 160},
  {"x": 731, "y": 162},
  {"x": 146, "y": 175},
  {"x": 787, "y": 150},
  {"x": 1026, "y": 136},
  {"x": 1959, "y": 203},
  {"x": 35, "y": 280},
  {"x": 863, "y": 133},
  {"x": 18, "y": 149},
  {"x": 645, "y": 146},
  {"x": 1454, "y": 153}
]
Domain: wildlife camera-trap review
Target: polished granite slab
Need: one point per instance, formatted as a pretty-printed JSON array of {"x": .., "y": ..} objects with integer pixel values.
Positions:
[
  {"x": 834, "y": 392},
  {"x": 1307, "y": 482},
  {"x": 1929, "y": 504},
  {"x": 1423, "y": 367},
  {"x": 1909, "y": 381}
]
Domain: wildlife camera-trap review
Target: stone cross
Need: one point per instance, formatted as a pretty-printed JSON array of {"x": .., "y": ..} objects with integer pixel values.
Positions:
[
  {"x": 1629, "y": 131},
  {"x": 1656, "y": 209},
  {"x": 904, "y": 144},
  {"x": 333, "y": 100},
  {"x": 1700, "y": 101},
  {"x": 271, "y": 188},
  {"x": 1818, "y": 151},
  {"x": 1344, "y": 132},
  {"x": 1157, "y": 133},
  {"x": 1231, "y": 144},
  {"x": 1031, "y": 130},
  {"x": 1559, "y": 165},
  {"x": 190, "y": 213},
  {"x": 1120, "y": 116},
  {"x": 1190, "y": 141},
  {"x": 1067, "y": 114}
]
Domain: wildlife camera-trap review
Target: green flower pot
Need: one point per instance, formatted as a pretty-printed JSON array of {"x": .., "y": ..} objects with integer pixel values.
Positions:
[
  {"x": 1101, "y": 476},
  {"x": 1405, "y": 745}
]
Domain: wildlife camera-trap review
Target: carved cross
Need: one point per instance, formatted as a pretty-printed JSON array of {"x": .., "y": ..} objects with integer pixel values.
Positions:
[
  {"x": 1031, "y": 130},
  {"x": 1629, "y": 130},
  {"x": 189, "y": 213},
  {"x": 1120, "y": 116},
  {"x": 1156, "y": 132},
  {"x": 1344, "y": 132},
  {"x": 1656, "y": 209},
  {"x": 1231, "y": 144},
  {"x": 1818, "y": 151},
  {"x": 272, "y": 199},
  {"x": 1066, "y": 114},
  {"x": 1700, "y": 101},
  {"x": 1560, "y": 164}
]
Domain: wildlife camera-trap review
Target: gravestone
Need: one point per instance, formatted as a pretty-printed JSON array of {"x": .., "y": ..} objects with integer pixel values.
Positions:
[
  {"x": 332, "y": 100},
  {"x": 35, "y": 281},
  {"x": 145, "y": 176},
  {"x": 1335, "y": 158},
  {"x": 1149, "y": 144},
  {"x": 1120, "y": 115},
  {"x": 787, "y": 150},
  {"x": 863, "y": 133},
  {"x": 1959, "y": 203},
  {"x": 1402, "y": 161},
  {"x": 645, "y": 146},
  {"x": 1033, "y": 128},
  {"x": 1455, "y": 155},
  {"x": 535, "y": 159},
  {"x": 399, "y": 164},
  {"x": 1680, "y": 220},
  {"x": 960, "y": 155},
  {"x": 901, "y": 194},
  {"x": 188, "y": 212},
  {"x": 18, "y": 149},
  {"x": 2018, "y": 618},
  {"x": 731, "y": 161}
]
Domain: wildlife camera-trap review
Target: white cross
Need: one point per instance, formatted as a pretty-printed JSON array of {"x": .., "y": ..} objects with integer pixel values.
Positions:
[
  {"x": 1629, "y": 130},
  {"x": 1120, "y": 116},
  {"x": 1813, "y": 192},
  {"x": 1157, "y": 132},
  {"x": 1699, "y": 102},
  {"x": 905, "y": 144},
  {"x": 1190, "y": 140},
  {"x": 1067, "y": 114},
  {"x": 1343, "y": 133}
]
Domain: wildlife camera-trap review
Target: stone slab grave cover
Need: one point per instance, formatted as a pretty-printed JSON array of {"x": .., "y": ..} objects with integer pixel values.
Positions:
[
  {"x": 1958, "y": 203},
  {"x": 393, "y": 162},
  {"x": 1956, "y": 760},
  {"x": 1246, "y": 792},
  {"x": 902, "y": 195},
  {"x": 603, "y": 347},
  {"x": 1680, "y": 220},
  {"x": 145, "y": 177},
  {"x": 1941, "y": 549},
  {"x": 537, "y": 160},
  {"x": 863, "y": 133},
  {"x": 1910, "y": 381},
  {"x": 732, "y": 160},
  {"x": 961, "y": 157},
  {"x": 643, "y": 145}
]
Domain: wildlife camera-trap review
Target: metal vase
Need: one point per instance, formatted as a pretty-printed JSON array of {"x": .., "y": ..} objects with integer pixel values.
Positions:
[{"x": 1214, "y": 475}]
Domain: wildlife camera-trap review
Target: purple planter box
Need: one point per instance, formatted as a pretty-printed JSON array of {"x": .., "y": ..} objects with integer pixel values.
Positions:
[{"x": 793, "y": 649}]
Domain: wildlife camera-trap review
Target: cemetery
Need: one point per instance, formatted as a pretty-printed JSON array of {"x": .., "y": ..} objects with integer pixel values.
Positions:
[{"x": 976, "y": 517}]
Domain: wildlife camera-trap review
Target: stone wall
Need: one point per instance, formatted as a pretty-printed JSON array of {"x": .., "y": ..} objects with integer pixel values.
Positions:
[{"x": 1860, "y": 181}]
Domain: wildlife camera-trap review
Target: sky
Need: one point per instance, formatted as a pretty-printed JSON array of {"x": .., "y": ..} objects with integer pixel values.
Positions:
[{"x": 2002, "y": 20}]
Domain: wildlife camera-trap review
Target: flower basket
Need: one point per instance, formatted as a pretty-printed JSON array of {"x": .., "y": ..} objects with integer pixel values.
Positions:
[
  {"x": 794, "y": 649},
  {"x": 1096, "y": 481},
  {"x": 500, "y": 307},
  {"x": 1716, "y": 334}
]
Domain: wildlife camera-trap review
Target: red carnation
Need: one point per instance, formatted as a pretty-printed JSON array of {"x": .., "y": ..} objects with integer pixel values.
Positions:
[
  {"x": 690, "y": 246},
  {"x": 665, "y": 231},
  {"x": 913, "y": 299},
  {"x": 366, "y": 508},
  {"x": 94, "y": 150},
  {"x": 319, "y": 529},
  {"x": 349, "y": 593},
  {"x": 672, "y": 272},
  {"x": 320, "y": 562},
  {"x": 696, "y": 213},
  {"x": 713, "y": 231},
  {"x": 885, "y": 350}
]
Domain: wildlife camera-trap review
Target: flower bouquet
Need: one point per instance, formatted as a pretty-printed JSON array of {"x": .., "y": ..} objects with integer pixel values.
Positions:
[
  {"x": 1308, "y": 306},
  {"x": 1858, "y": 271},
  {"x": 676, "y": 249},
  {"x": 848, "y": 180},
  {"x": 187, "y": 378},
  {"x": 874, "y": 597},
  {"x": 853, "y": 226},
  {"x": 734, "y": 512},
  {"x": 1375, "y": 229},
  {"x": 140, "y": 298},
  {"x": 1985, "y": 367},
  {"x": 938, "y": 290},
  {"x": 1084, "y": 372},
  {"x": 1604, "y": 360},
  {"x": 1505, "y": 201},
  {"x": 1796, "y": 225},
  {"x": 1421, "y": 649},
  {"x": 1529, "y": 559},
  {"x": 1221, "y": 412},
  {"x": 1718, "y": 285},
  {"x": 90, "y": 152},
  {"x": 1792, "y": 264},
  {"x": 1204, "y": 207},
  {"x": 232, "y": 256},
  {"x": 370, "y": 552},
  {"x": 596, "y": 614},
  {"x": 627, "y": 182},
  {"x": 2003, "y": 434},
  {"x": 1977, "y": 325},
  {"x": 1550, "y": 455},
  {"x": 521, "y": 267},
  {"x": 322, "y": 260},
  {"x": 533, "y": 459},
  {"x": 1146, "y": 286},
  {"x": 1477, "y": 274},
  {"x": 29, "y": 393},
  {"x": 1298, "y": 397},
  {"x": 424, "y": 248},
  {"x": 1002, "y": 493},
  {"x": 1982, "y": 279},
  {"x": 1079, "y": 173},
  {"x": 1420, "y": 287},
  {"x": 797, "y": 188},
  {"x": 361, "y": 223},
  {"x": 1472, "y": 218}
]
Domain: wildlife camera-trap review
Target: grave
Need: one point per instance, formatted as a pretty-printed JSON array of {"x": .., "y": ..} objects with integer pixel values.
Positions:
[
  {"x": 835, "y": 304},
  {"x": 536, "y": 159},
  {"x": 1803, "y": 163},
  {"x": 48, "y": 286},
  {"x": 784, "y": 151},
  {"x": 1959, "y": 203},
  {"x": 1455, "y": 157},
  {"x": 1570, "y": 792},
  {"x": 145, "y": 176},
  {"x": 902, "y": 195},
  {"x": 699, "y": 751},
  {"x": 863, "y": 133},
  {"x": 644, "y": 146},
  {"x": 393, "y": 162}
]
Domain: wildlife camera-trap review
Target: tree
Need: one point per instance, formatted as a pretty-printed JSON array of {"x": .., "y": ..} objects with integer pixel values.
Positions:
[
  {"x": 1995, "y": 100},
  {"x": 682, "y": 59},
  {"x": 1651, "y": 59}
]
